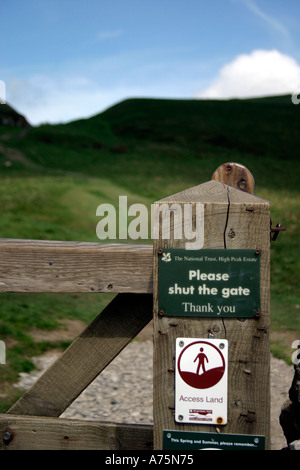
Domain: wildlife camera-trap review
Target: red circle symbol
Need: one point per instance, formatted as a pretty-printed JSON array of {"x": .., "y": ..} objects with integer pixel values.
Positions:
[{"x": 202, "y": 367}]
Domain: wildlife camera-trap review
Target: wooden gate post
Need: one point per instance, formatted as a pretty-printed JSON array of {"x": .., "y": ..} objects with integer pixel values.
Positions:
[{"x": 232, "y": 219}]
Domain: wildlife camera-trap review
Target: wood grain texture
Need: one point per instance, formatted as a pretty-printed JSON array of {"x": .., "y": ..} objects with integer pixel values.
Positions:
[
  {"x": 54, "y": 266},
  {"x": 235, "y": 175},
  {"x": 87, "y": 356},
  {"x": 232, "y": 220},
  {"x": 36, "y": 433}
]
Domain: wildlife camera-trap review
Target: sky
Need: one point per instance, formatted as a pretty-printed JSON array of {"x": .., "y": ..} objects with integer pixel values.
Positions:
[{"x": 62, "y": 60}]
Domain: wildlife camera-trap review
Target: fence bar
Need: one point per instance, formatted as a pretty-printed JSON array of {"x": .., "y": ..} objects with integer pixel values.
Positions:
[
  {"x": 124, "y": 317},
  {"x": 41, "y": 433},
  {"x": 59, "y": 266}
]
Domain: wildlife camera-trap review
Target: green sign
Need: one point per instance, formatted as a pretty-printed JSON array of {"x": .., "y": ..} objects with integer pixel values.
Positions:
[
  {"x": 182, "y": 440},
  {"x": 209, "y": 283}
]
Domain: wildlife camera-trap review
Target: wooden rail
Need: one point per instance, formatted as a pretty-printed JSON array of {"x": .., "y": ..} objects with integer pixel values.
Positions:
[
  {"x": 37, "y": 433},
  {"x": 89, "y": 354},
  {"x": 56, "y": 266}
]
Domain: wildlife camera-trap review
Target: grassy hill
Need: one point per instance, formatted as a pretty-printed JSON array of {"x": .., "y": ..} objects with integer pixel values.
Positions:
[
  {"x": 140, "y": 137},
  {"x": 10, "y": 117},
  {"x": 53, "y": 177}
]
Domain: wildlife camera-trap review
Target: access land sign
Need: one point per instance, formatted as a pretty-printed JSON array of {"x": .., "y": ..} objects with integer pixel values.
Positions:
[{"x": 209, "y": 283}]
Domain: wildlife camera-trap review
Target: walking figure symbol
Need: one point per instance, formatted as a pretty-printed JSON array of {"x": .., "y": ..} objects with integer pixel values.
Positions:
[
  {"x": 201, "y": 358},
  {"x": 201, "y": 364}
]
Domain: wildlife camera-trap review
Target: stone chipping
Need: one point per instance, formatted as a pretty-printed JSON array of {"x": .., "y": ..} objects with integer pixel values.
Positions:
[{"x": 122, "y": 393}]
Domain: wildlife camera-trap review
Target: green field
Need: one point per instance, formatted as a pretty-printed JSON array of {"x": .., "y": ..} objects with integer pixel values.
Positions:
[{"x": 53, "y": 177}]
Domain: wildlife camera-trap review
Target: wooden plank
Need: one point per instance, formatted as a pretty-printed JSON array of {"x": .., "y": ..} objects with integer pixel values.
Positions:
[
  {"x": 232, "y": 220},
  {"x": 36, "y": 433},
  {"x": 87, "y": 356},
  {"x": 249, "y": 377},
  {"x": 54, "y": 266}
]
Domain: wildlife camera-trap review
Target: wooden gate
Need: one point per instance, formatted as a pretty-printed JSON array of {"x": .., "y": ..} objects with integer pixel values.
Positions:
[{"x": 233, "y": 218}]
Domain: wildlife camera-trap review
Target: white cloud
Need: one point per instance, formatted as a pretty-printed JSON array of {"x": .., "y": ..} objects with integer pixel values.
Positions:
[
  {"x": 260, "y": 73},
  {"x": 42, "y": 98},
  {"x": 80, "y": 89},
  {"x": 110, "y": 34}
]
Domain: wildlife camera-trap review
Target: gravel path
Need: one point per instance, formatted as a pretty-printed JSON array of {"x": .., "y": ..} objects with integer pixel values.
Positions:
[{"x": 123, "y": 391}]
